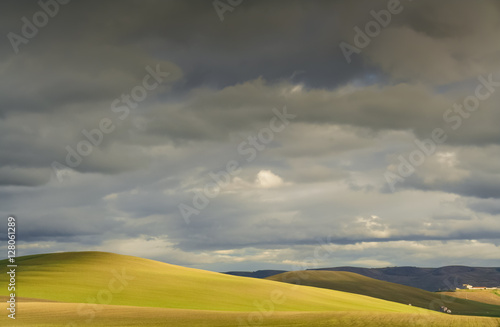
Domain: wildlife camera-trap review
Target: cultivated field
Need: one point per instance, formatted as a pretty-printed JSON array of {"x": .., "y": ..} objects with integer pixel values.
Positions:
[
  {"x": 485, "y": 296},
  {"x": 104, "y": 289},
  {"x": 66, "y": 315}
]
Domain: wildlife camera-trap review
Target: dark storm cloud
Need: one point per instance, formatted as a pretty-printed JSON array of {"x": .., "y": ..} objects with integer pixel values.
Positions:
[
  {"x": 491, "y": 206},
  {"x": 306, "y": 33},
  {"x": 180, "y": 31},
  {"x": 478, "y": 186}
]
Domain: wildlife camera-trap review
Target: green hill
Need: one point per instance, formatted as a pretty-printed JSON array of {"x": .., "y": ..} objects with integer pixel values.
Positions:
[
  {"x": 430, "y": 279},
  {"x": 105, "y": 278},
  {"x": 358, "y": 284}
]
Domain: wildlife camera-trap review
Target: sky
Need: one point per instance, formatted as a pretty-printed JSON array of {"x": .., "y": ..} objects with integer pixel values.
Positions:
[{"x": 244, "y": 135}]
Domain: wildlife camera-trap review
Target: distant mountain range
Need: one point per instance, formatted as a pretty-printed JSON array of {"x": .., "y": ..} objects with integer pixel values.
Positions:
[
  {"x": 256, "y": 274},
  {"x": 429, "y": 279}
]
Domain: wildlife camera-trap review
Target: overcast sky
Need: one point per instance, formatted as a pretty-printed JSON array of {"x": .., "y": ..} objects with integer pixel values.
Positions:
[{"x": 360, "y": 133}]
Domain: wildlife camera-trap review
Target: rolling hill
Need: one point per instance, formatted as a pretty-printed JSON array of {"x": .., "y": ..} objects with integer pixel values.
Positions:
[
  {"x": 358, "y": 284},
  {"x": 105, "y": 278},
  {"x": 430, "y": 279},
  {"x": 105, "y": 289}
]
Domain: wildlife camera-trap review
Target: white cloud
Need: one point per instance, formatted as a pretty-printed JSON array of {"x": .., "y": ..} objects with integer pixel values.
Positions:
[{"x": 267, "y": 179}]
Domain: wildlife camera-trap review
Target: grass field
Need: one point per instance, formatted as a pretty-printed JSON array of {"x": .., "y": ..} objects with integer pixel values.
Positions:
[
  {"x": 83, "y": 277},
  {"x": 485, "y": 296},
  {"x": 92, "y": 289},
  {"x": 355, "y": 283},
  {"x": 66, "y": 315}
]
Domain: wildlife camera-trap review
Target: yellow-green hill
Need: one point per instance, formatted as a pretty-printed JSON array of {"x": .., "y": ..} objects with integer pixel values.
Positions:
[
  {"x": 94, "y": 277},
  {"x": 358, "y": 284}
]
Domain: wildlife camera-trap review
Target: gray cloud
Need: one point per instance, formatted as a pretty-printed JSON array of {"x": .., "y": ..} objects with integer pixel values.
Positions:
[{"x": 353, "y": 121}]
